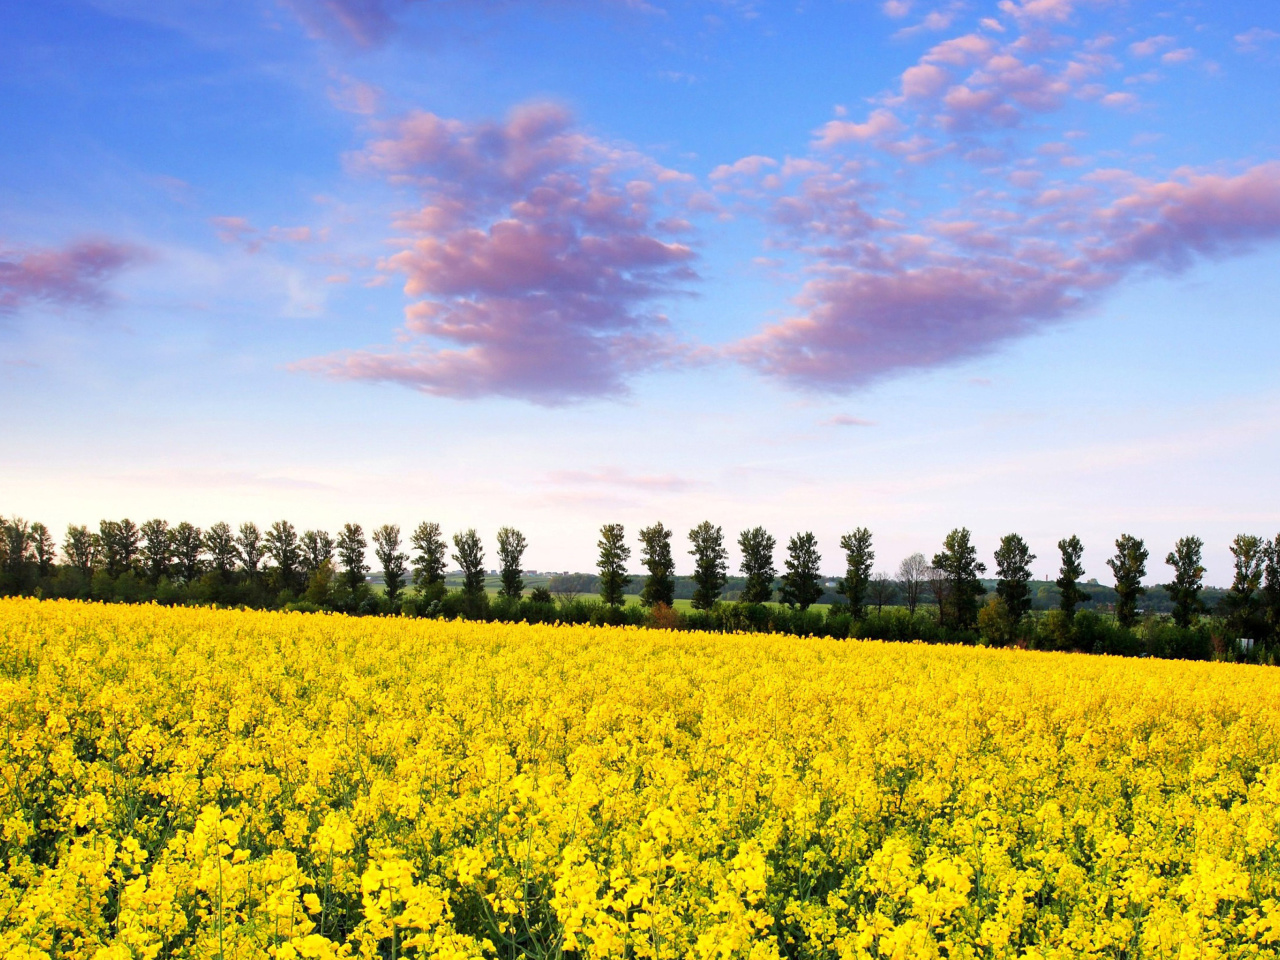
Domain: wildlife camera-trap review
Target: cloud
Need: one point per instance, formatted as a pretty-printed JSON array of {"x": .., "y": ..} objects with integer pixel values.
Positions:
[
  {"x": 75, "y": 275},
  {"x": 844, "y": 420},
  {"x": 535, "y": 261},
  {"x": 355, "y": 96},
  {"x": 359, "y": 23},
  {"x": 1254, "y": 39},
  {"x": 880, "y": 125},
  {"x": 888, "y": 303},
  {"x": 617, "y": 477},
  {"x": 1151, "y": 46},
  {"x": 238, "y": 231},
  {"x": 367, "y": 24}
]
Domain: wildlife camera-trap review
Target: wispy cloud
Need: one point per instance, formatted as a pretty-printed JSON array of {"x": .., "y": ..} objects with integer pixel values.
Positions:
[{"x": 74, "y": 275}]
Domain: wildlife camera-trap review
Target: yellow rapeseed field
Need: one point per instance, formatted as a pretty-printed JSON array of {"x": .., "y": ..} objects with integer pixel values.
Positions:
[{"x": 198, "y": 783}]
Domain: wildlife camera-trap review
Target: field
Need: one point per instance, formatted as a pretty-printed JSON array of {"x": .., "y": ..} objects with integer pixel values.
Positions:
[{"x": 199, "y": 783}]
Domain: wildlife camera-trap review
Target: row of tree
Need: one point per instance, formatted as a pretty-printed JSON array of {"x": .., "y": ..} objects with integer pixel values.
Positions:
[{"x": 279, "y": 565}]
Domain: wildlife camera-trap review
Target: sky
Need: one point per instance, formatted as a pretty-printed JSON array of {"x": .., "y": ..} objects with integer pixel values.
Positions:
[{"x": 909, "y": 264}]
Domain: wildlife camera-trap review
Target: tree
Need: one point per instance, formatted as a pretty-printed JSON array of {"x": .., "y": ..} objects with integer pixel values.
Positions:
[
  {"x": 1013, "y": 570},
  {"x": 913, "y": 573},
  {"x": 220, "y": 544},
  {"x": 1128, "y": 566},
  {"x": 188, "y": 547},
  {"x": 82, "y": 550},
  {"x": 655, "y": 554},
  {"x": 881, "y": 590},
  {"x": 119, "y": 545},
  {"x": 511, "y": 548},
  {"x": 858, "y": 558},
  {"x": 386, "y": 547},
  {"x": 1242, "y": 604},
  {"x": 1271, "y": 587},
  {"x": 1188, "y": 577},
  {"x": 757, "y": 547},
  {"x": 351, "y": 553},
  {"x": 43, "y": 550},
  {"x": 430, "y": 551},
  {"x": 281, "y": 544},
  {"x": 157, "y": 549},
  {"x": 249, "y": 548},
  {"x": 802, "y": 584},
  {"x": 959, "y": 564},
  {"x": 469, "y": 556},
  {"x": 1069, "y": 592},
  {"x": 710, "y": 564},
  {"x": 940, "y": 587},
  {"x": 317, "y": 548},
  {"x": 612, "y": 565},
  {"x": 16, "y": 546}
]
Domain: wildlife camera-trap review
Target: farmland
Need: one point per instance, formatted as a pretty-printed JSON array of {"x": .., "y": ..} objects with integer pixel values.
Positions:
[{"x": 204, "y": 783}]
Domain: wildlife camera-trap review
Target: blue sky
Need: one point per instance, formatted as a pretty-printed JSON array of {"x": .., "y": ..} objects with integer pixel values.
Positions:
[{"x": 913, "y": 265}]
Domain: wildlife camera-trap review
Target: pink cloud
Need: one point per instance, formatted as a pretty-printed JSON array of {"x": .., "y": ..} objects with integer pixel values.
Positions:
[
  {"x": 534, "y": 262},
  {"x": 844, "y": 420},
  {"x": 362, "y": 23},
  {"x": 881, "y": 124},
  {"x": 1253, "y": 39},
  {"x": 1052, "y": 10},
  {"x": 889, "y": 301},
  {"x": 238, "y": 231},
  {"x": 616, "y": 477},
  {"x": 1151, "y": 46},
  {"x": 75, "y": 275},
  {"x": 370, "y": 23},
  {"x": 354, "y": 96}
]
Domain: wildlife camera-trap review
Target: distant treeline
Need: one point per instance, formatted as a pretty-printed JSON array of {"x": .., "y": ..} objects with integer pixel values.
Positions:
[{"x": 945, "y": 598}]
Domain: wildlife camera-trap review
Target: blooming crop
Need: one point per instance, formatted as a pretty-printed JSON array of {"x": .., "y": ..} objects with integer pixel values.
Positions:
[{"x": 200, "y": 783}]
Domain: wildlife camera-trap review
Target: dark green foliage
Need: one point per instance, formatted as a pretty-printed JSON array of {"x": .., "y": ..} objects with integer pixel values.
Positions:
[
  {"x": 188, "y": 550},
  {"x": 655, "y": 554},
  {"x": 249, "y": 548},
  {"x": 710, "y": 564},
  {"x": 1069, "y": 593},
  {"x": 15, "y": 553},
  {"x": 43, "y": 551},
  {"x": 802, "y": 584},
  {"x": 82, "y": 550},
  {"x": 1128, "y": 566},
  {"x": 958, "y": 586},
  {"x": 757, "y": 546},
  {"x": 317, "y": 549},
  {"x": 469, "y": 556},
  {"x": 119, "y": 539},
  {"x": 1013, "y": 570},
  {"x": 386, "y": 547},
  {"x": 614, "y": 554},
  {"x": 220, "y": 545},
  {"x": 1271, "y": 588},
  {"x": 540, "y": 595},
  {"x": 430, "y": 551},
  {"x": 281, "y": 544},
  {"x": 157, "y": 549},
  {"x": 351, "y": 553},
  {"x": 1243, "y": 605},
  {"x": 857, "y": 577},
  {"x": 511, "y": 548},
  {"x": 1188, "y": 580}
]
